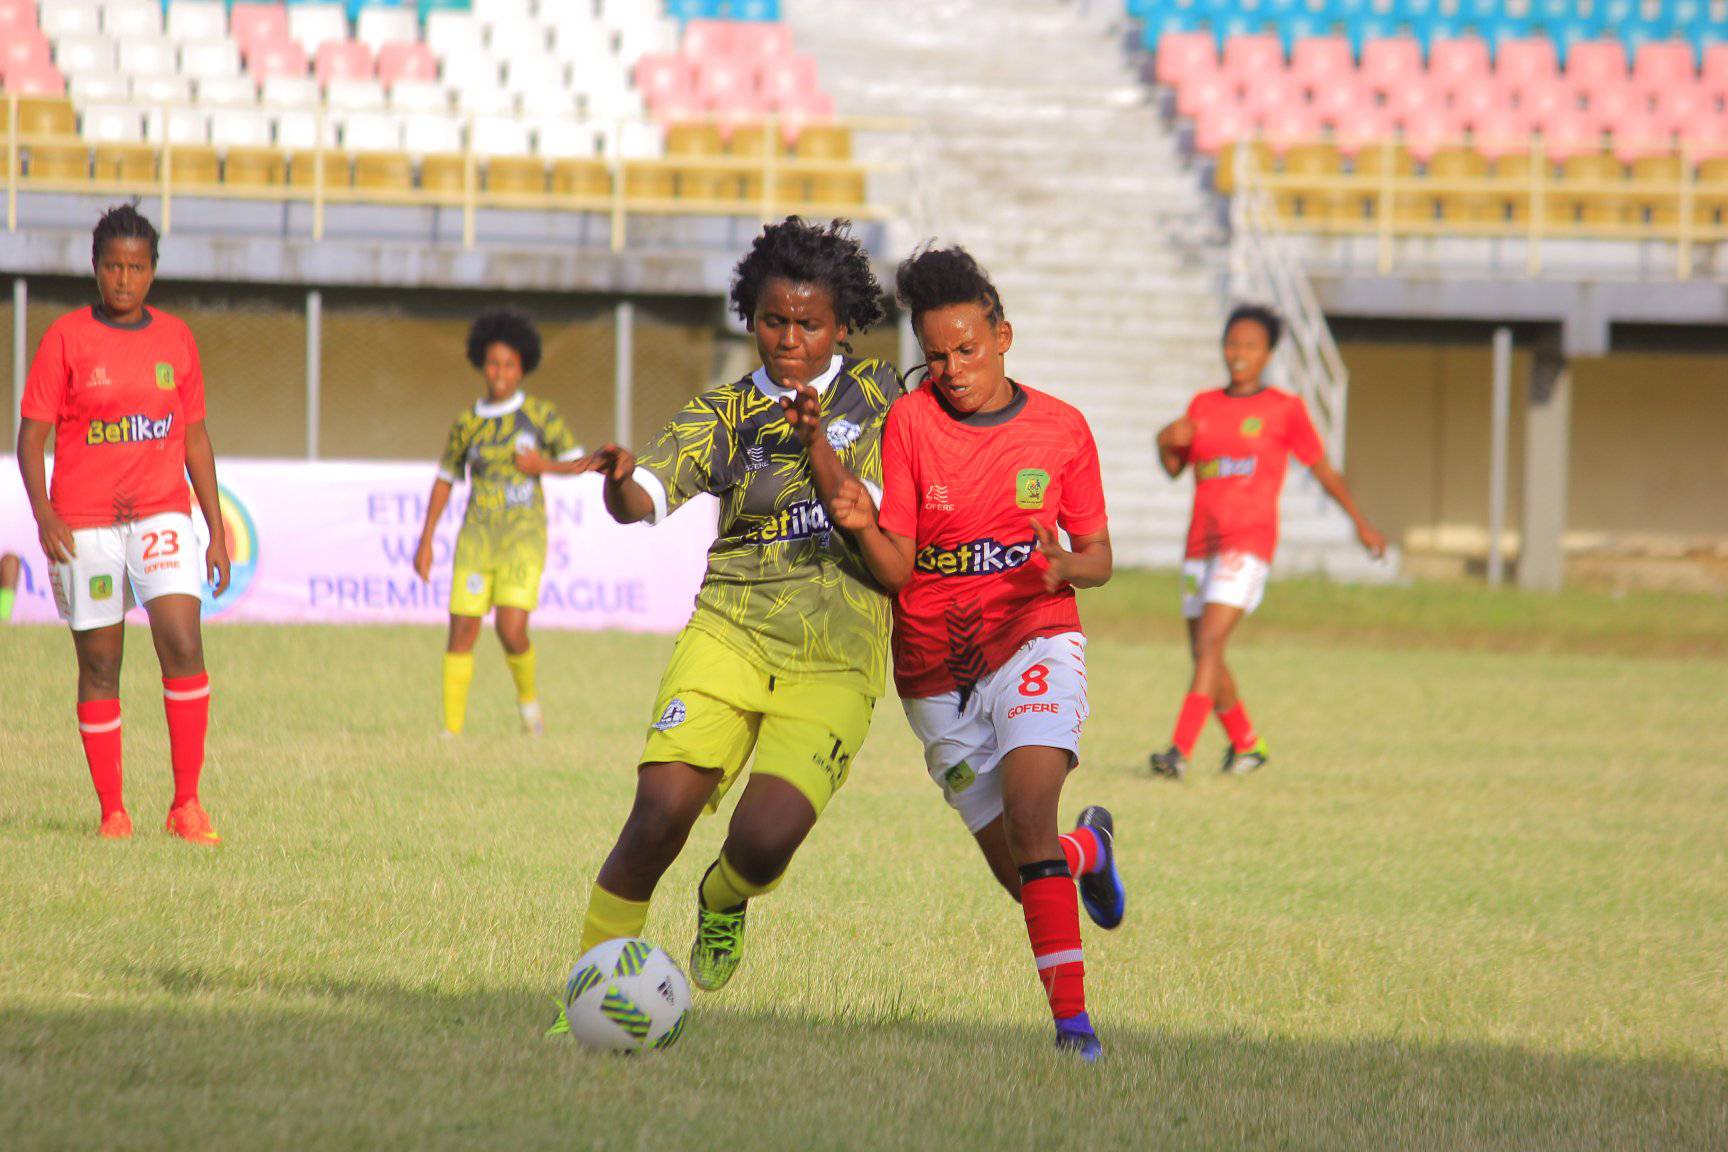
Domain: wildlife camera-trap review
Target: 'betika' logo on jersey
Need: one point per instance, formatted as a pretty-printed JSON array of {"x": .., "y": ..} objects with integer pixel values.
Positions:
[
  {"x": 799, "y": 520},
  {"x": 1029, "y": 488},
  {"x": 1225, "y": 467},
  {"x": 974, "y": 558},
  {"x": 128, "y": 430}
]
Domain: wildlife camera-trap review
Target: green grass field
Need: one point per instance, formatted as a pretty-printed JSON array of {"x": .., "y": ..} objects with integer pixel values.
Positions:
[{"x": 1479, "y": 900}]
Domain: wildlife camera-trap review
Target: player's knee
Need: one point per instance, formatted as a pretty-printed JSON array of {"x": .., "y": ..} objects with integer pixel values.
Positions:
[
  {"x": 761, "y": 859},
  {"x": 100, "y": 671},
  {"x": 654, "y": 827}
]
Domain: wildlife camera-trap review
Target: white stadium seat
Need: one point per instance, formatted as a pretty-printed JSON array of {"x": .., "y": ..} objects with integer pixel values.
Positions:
[
  {"x": 236, "y": 128},
  {"x": 419, "y": 96},
  {"x": 372, "y": 132},
  {"x": 149, "y": 58},
  {"x": 526, "y": 74},
  {"x": 75, "y": 55},
  {"x": 310, "y": 25},
  {"x": 378, "y": 26},
  {"x": 564, "y": 139},
  {"x": 426, "y": 135},
  {"x": 470, "y": 70},
  {"x": 611, "y": 105},
  {"x": 197, "y": 20},
  {"x": 201, "y": 59},
  {"x": 485, "y": 101},
  {"x": 98, "y": 88},
  {"x": 227, "y": 91},
  {"x": 501, "y": 136},
  {"x": 113, "y": 124},
  {"x": 57, "y": 20},
  {"x": 167, "y": 88},
  {"x": 354, "y": 96},
  {"x": 177, "y": 125},
  {"x": 639, "y": 39},
  {"x": 290, "y": 92},
  {"x": 122, "y": 18},
  {"x": 298, "y": 128},
  {"x": 580, "y": 43},
  {"x": 451, "y": 33},
  {"x": 492, "y": 11},
  {"x": 517, "y": 37},
  {"x": 639, "y": 141}
]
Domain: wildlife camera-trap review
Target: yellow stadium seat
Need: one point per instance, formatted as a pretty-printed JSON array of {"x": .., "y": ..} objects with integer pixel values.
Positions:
[
  {"x": 58, "y": 162},
  {"x": 446, "y": 174},
  {"x": 1373, "y": 162},
  {"x": 516, "y": 175},
  {"x": 648, "y": 180},
  {"x": 133, "y": 164},
  {"x": 751, "y": 142},
  {"x": 1659, "y": 202},
  {"x": 823, "y": 142},
  {"x": 1513, "y": 176},
  {"x": 588, "y": 179},
  {"x": 253, "y": 167},
  {"x": 1307, "y": 204},
  {"x": 1572, "y": 206},
  {"x": 1710, "y": 197},
  {"x": 46, "y": 116},
  {"x": 303, "y": 170},
  {"x": 838, "y": 189},
  {"x": 192, "y": 166},
  {"x": 1224, "y": 177},
  {"x": 1461, "y": 207},
  {"x": 692, "y": 139},
  {"x": 696, "y": 183},
  {"x": 383, "y": 171}
]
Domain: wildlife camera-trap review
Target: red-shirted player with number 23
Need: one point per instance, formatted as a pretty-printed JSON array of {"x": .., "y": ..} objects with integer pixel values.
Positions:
[
  {"x": 1238, "y": 439},
  {"x": 123, "y": 386},
  {"x": 978, "y": 473}
]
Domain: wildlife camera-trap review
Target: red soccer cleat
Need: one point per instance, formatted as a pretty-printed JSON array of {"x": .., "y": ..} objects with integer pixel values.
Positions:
[
  {"x": 116, "y": 826},
  {"x": 191, "y": 822}
]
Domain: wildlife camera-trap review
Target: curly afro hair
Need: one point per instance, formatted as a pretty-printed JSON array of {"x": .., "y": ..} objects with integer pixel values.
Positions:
[
  {"x": 1257, "y": 314},
  {"x": 808, "y": 253},
  {"x": 123, "y": 222},
  {"x": 941, "y": 277},
  {"x": 504, "y": 326}
]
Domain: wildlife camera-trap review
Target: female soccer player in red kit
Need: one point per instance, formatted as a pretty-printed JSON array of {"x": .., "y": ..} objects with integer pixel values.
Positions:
[
  {"x": 1238, "y": 439},
  {"x": 978, "y": 472},
  {"x": 123, "y": 385}
]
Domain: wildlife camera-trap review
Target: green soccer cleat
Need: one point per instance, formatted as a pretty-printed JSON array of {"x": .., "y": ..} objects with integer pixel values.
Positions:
[
  {"x": 718, "y": 948},
  {"x": 1241, "y": 763},
  {"x": 1170, "y": 763}
]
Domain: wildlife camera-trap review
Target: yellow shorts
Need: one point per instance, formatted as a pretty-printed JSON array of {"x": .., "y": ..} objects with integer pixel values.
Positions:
[
  {"x": 475, "y": 589},
  {"x": 715, "y": 707}
]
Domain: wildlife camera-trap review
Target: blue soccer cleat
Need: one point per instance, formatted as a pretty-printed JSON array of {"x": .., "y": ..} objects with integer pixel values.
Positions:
[
  {"x": 1101, "y": 891},
  {"x": 1074, "y": 1034}
]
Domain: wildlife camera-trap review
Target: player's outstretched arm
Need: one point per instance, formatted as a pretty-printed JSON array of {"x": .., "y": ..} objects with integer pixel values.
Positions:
[
  {"x": 201, "y": 467},
  {"x": 51, "y": 531},
  {"x": 1174, "y": 441},
  {"x": 435, "y": 505},
  {"x": 887, "y": 554},
  {"x": 627, "y": 501},
  {"x": 1333, "y": 483},
  {"x": 532, "y": 463}
]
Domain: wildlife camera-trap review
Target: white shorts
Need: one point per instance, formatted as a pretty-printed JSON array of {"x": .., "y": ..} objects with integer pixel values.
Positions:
[
  {"x": 115, "y": 567},
  {"x": 1036, "y": 699},
  {"x": 1236, "y": 579}
]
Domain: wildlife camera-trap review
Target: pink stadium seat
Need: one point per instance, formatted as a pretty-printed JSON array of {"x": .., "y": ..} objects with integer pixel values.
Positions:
[
  {"x": 1202, "y": 94},
  {"x": 1270, "y": 94},
  {"x": 1506, "y": 133},
  {"x": 269, "y": 60},
  {"x": 1544, "y": 100},
  {"x": 35, "y": 79},
  {"x": 1681, "y": 103},
  {"x": 1388, "y": 64},
  {"x": 1715, "y": 73},
  {"x": 1321, "y": 60},
  {"x": 1338, "y": 102},
  {"x": 1182, "y": 55},
  {"x": 1362, "y": 127},
  {"x": 257, "y": 24},
  {"x": 406, "y": 62},
  {"x": 26, "y": 50},
  {"x": 16, "y": 19},
  {"x": 1456, "y": 64},
  {"x": 1707, "y": 137},
  {"x": 1430, "y": 131},
  {"x": 1416, "y": 99},
  {"x": 1478, "y": 103},
  {"x": 1596, "y": 62},
  {"x": 782, "y": 81},
  {"x": 1662, "y": 64},
  {"x": 761, "y": 40},
  {"x": 810, "y": 108},
  {"x": 1290, "y": 125},
  {"x": 1641, "y": 136},
  {"x": 1574, "y": 135},
  {"x": 1251, "y": 57},
  {"x": 708, "y": 38},
  {"x": 658, "y": 76},
  {"x": 723, "y": 82},
  {"x": 1222, "y": 125},
  {"x": 1523, "y": 62},
  {"x": 343, "y": 60},
  {"x": 1611, "y": 104}
]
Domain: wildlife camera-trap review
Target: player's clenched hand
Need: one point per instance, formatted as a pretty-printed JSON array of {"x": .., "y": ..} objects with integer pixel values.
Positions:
[
  {"x": 216, "y": 563},
  {"x": 803, "y": 411},
  {"x": 1372, "y": 539},
  {"x": 531, "y": 463},
  {"x": 1059, "y": 557},
  {"x": 614, "y": 462},
  {"x": 853, "y": 509},
  {"x": 423, "y": 559},
  {"x": 1177, "y": 436},
  {"x": 55, "y": 537}
]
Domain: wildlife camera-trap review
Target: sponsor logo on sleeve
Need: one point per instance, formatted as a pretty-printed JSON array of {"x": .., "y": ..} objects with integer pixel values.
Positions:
[
  {"x": 673, "y": 716},
  {"x": 165, "y": 377},
  {"x": 138, "y": 429},
  {"x": 1029, "y": 488}
]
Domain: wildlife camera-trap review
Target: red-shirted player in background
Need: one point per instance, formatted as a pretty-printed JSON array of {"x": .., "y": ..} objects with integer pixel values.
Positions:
[
  {"x": 1238, "y": 439},
  {"x": 123, "y": 385},
  {"x": 978, "y": 472}
]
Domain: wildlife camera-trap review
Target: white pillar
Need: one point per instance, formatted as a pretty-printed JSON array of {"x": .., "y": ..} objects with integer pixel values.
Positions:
[
  {"x": 20, "y": 350},
  {"x": 624, "y": 368},
  {"x": 1547, "y": 451},
  {"x": 1499, "y": 429},
  {"x": 314, "y": 368}
]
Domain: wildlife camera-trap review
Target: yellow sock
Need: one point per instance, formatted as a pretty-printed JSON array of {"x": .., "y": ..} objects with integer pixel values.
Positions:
[
  {"x": 522, "y": 671},
  {"x": 724, "y": 889},
  {"x": 611, "y": 917},
  {"x": 458, "y": 673}
]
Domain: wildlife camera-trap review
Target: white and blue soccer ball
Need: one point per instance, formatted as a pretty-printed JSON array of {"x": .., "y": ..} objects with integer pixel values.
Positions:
[{"x": 626, "y": 996}]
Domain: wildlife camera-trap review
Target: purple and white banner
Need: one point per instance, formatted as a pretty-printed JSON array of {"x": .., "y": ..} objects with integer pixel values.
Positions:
[{"x": 333, "y": 542}]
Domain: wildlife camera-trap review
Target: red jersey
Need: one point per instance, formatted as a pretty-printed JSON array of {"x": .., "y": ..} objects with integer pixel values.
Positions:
[
  {"x": 1241, "y": 446},
  {"x": 122, "y": 398},
  {"x": 966, "y": 491}
]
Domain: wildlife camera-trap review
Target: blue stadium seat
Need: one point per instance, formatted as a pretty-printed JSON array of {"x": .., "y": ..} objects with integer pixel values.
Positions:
[
  {"x": 764, "y": 10},
  {"x": 693, "y": 9}
]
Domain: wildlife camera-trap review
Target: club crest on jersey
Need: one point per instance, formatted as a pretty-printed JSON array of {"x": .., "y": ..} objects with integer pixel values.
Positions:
[
  {"x": 135, "y": 429},
  {"x": 165, "y": 377},
  {"x": 674, "y": 715},
  {"x": 842, "y": 434},
  {"x": 101, "y": 587},
  {"x": 1253, "y": 426},
  {"x": 476, "y": 584},
  {"x": 973, "y": 558},
  {"x": 1029, "y": 488}
]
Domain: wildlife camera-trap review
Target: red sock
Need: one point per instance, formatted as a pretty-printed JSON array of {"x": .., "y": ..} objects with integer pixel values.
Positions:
[
  {"x": 1239, "y": 728},
  {"x": 186, "y": 700},
  {"x": 1082, "y": 851},
  {"x": 1190, "y": 720},
  {"x": 1052, "y": 909},
  {"x": 99, "y": 728}
]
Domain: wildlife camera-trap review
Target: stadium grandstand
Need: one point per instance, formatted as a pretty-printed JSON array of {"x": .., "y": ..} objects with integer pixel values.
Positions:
[{"x": 1399, "y": 178}]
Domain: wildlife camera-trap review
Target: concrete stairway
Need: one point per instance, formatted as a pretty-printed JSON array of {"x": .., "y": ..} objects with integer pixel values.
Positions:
[{"x": 1041, "y": 152}]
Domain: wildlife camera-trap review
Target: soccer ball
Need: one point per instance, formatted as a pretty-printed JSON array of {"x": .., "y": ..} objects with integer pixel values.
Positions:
[{"x": 626, "y": 996}]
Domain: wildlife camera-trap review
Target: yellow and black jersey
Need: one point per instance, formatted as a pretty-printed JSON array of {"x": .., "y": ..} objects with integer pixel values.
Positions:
[{"x": 506, "y": 519}]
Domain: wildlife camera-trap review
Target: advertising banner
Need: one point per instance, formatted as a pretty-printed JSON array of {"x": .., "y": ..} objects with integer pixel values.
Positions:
[{"x": 333, "y": 543}]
